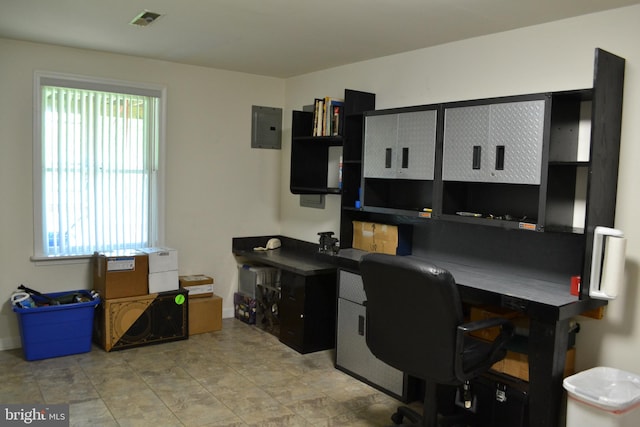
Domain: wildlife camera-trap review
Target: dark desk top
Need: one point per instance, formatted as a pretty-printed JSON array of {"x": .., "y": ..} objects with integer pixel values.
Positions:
[
  {"x": 514, "y": 287},
  {"x": 509, "y": 283},
  {"x": 294, "y": 255},
  {"x": 547, "y": 297}
]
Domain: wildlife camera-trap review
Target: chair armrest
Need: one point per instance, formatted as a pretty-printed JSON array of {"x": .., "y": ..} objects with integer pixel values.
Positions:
[
  {"x": 496, "y": 352},
  {"x": 506, "y": 332},
  {"x": 484, "y": 324}
]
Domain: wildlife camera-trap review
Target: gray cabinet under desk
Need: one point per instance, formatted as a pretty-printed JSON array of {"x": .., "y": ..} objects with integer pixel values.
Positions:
[{"x": 352, "y": 354}]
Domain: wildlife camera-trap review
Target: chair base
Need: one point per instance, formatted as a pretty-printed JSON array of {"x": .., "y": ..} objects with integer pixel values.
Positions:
[{"x": 404, "y": 414}]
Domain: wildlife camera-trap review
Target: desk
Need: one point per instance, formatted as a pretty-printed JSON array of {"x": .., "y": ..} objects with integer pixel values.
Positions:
[
  {"x": 544, "y": 298},
  {"x": 548, "y": 304},
  {"x": 549, "y": 307},
  {"x": 307, "y": 308}
]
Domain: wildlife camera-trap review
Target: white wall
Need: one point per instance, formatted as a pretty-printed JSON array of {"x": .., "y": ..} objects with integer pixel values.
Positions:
[
  {"x": 551, "y": 57},
  {"x": 217, "y": 187}
]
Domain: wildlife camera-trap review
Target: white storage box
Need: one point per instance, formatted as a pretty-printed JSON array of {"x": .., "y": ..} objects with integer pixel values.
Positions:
[
  {"x": 603, "y": 397},
  {"x": 161, "y": 259},
  {"x": 163, "y": 281}
]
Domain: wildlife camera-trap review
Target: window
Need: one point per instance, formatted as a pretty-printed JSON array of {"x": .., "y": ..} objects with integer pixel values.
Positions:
[{"x": 97, "y": 157}]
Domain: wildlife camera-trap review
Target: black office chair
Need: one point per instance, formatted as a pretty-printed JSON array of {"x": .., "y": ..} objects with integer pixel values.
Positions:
[{"x": 415, "y": 324}]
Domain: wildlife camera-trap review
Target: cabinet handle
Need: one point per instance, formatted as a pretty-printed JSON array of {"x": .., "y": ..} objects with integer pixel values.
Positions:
[
  {"x": 387, "y": 158},
  {"x": 477, "y": 152},
  {"x": 499, "y": 157},
  {"x": 405, "y": 157},
  {"x": 361, "y": 325}
]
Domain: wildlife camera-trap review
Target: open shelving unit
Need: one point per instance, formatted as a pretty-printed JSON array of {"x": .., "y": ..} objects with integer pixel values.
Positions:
[{"x": 310, "y": 154}]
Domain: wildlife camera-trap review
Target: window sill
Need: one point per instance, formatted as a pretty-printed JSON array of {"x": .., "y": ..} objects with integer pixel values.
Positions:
[{"x": 60, "y": 260}]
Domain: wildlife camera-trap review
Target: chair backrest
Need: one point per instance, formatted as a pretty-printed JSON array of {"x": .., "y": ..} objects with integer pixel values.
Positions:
[{"x": 413, "y": 309}]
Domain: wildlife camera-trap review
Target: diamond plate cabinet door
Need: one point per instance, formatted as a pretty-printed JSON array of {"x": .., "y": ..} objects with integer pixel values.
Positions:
[
  {"x": 400, "y": 145},
  {"x": 500, "y": 142}
]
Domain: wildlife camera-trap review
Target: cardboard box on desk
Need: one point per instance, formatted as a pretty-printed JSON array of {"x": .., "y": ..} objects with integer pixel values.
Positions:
[
  {"x": 198, "y": 285},
  {"x": 382, "y": 238},
  {"x": 161, "y": 259},
  {"x": 120, "y": 274}
]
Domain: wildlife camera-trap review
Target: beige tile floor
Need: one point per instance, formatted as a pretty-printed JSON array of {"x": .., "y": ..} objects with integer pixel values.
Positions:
[{"x": 239, "y": 376}]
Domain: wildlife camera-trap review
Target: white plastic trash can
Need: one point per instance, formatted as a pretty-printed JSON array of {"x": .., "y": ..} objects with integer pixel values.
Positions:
[{"x": 603, "y": 397}]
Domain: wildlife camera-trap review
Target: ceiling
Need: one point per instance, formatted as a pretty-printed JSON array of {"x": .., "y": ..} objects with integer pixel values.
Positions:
[{"x": 280, "y": 38}]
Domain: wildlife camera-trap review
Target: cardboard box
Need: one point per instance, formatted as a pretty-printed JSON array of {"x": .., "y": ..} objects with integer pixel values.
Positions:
[
  {"x": 161, "y": 259},
  {"x": 382, "y": 238},
  {"x": 517, "y": 364},
  {"x": 163, "y": 281},
  {"x": 483, "y": 312},
  {"x": 205, "y": 315},
  {"x": 198, "y": 285},
  {"x": 120, "y": 274}
]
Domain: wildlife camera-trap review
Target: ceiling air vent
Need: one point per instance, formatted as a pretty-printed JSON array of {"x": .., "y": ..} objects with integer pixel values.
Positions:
[{"x": 145, "y": 18}]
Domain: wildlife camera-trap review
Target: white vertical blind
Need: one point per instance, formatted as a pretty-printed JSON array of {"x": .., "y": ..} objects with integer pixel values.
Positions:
[{"x": 98, "y": 159}]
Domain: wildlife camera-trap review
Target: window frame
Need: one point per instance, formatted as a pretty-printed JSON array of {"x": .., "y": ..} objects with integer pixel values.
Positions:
[{"x": 157, "y": 176}]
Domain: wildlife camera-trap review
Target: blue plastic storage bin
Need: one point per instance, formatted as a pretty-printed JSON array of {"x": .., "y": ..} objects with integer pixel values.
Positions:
[{"x": 56, "y": 330}]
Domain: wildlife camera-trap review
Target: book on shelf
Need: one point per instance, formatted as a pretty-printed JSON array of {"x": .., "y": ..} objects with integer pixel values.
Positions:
[
  {"x": 318, "y": 109},
  {"x": 337, "y": 110},
  {"x": 328, "y": 116}
]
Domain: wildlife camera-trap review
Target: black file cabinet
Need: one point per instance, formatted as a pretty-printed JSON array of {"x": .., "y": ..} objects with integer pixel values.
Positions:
[{"x": 307, "y": 311}]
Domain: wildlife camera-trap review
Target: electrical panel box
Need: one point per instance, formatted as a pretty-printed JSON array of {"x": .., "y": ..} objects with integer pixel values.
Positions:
[{"x": 266, "y": 127}]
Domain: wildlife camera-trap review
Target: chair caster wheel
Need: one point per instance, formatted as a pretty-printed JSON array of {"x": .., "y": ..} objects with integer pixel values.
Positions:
[{"x": 397, "y": 418}]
